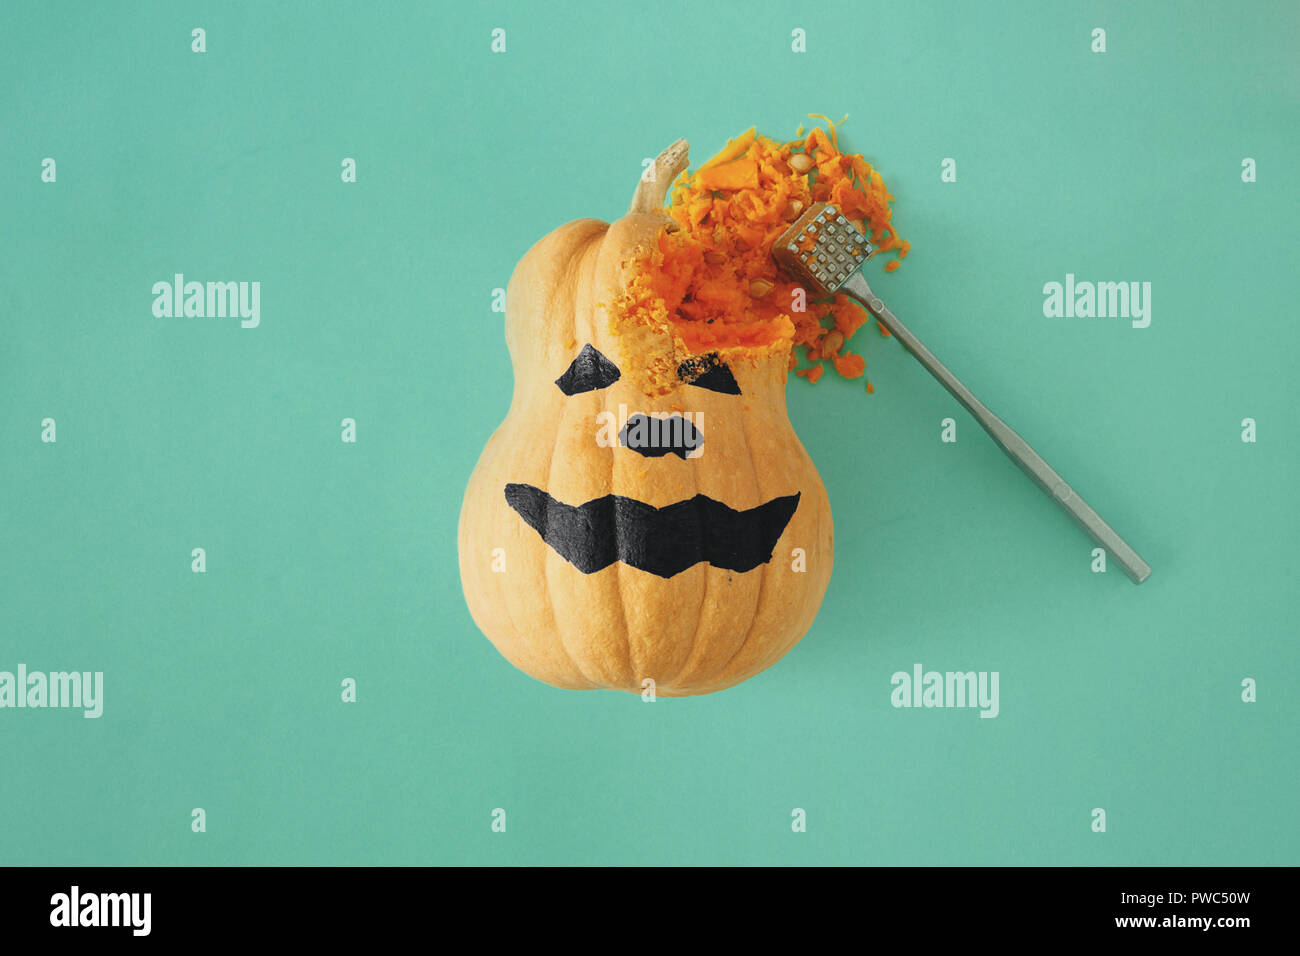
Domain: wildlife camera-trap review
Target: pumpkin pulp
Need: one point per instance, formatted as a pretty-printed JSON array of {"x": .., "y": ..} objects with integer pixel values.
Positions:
[{"x": 712, "y": 280}]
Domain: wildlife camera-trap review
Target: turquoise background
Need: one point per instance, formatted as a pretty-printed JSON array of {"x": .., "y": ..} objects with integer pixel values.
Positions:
[{"x": 328, "y": 560}]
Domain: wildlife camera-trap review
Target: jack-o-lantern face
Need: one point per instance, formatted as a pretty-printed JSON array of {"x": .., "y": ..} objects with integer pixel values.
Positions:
[
  {"x": 662, "y": 540},
  {"x": 641, "y": 514}
]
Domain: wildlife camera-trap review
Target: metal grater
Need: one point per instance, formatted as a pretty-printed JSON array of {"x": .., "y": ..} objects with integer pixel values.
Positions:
[
  {"x": 822, "y": 245},
  {"x": 824, "y": 250}
]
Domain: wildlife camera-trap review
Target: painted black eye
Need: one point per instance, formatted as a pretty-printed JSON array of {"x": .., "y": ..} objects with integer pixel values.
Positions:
[
  {"x": 588, "y": 372},
  {"x": 708, "y": 371}
]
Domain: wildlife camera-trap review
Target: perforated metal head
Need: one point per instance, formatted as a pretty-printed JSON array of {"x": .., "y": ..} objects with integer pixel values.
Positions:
[{"x": 822, "y": 248}]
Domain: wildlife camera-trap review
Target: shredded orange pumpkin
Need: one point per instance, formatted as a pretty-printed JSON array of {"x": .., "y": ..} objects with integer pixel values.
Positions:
[{"x": 714, "y": 278}]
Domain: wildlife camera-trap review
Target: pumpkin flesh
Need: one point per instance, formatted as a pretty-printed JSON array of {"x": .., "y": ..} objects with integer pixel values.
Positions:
[{"x": 710, "y": 280}]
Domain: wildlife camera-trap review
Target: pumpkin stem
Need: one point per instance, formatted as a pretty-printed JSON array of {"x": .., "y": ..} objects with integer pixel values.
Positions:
[{"x": 652, "y": 190}]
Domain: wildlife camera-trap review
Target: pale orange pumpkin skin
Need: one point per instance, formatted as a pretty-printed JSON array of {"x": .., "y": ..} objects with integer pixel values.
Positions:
[{"x": 703, "y": 629}]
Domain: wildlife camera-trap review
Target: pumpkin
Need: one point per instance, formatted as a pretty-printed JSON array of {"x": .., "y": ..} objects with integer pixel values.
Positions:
[{"x": 646, "y": 512}]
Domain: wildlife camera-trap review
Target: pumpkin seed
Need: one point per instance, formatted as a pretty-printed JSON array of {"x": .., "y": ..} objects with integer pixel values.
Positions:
[{"x": 801, "y": 163}]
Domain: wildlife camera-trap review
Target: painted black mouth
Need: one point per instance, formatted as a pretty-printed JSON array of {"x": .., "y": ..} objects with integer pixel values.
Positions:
[{"x": 664, "y": 541}]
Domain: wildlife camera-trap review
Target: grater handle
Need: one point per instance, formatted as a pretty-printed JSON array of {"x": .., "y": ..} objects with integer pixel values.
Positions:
[{"x": 1017, "y": 449}]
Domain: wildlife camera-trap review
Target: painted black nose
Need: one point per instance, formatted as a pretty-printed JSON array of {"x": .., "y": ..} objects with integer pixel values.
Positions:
[{"x": 656, "y": 437}]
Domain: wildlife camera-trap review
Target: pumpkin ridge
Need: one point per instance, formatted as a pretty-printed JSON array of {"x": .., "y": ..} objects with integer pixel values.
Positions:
[
  {"x": 633, "y": 665},
  {"x": 704, "y": 597},
  {"x": 762, "y": 578},
  {"x": 574, "y": 271},
  {"x": 533, "y": 628},
  {"x": 823, "y": 514},
  {"x": 619, "y": 569},
  {"x": 699, "y": 612},
  {"x": 779, "y": 650},
  {"x": 548, "y": 589},
  {"x": 559, "y": 639},
  {"x": 689, "y": 662},
  {"x": 596, "y": 314}
]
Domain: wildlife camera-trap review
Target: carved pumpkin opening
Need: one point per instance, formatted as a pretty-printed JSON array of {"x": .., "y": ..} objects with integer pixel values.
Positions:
[{"x": 710, "y": 278}]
